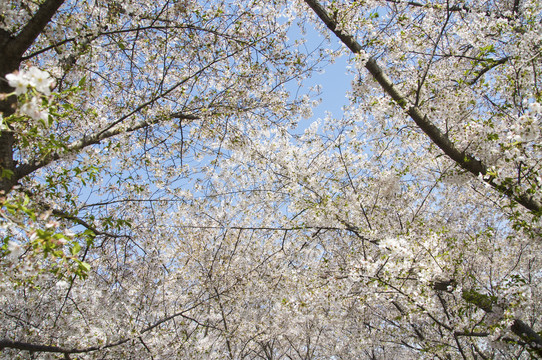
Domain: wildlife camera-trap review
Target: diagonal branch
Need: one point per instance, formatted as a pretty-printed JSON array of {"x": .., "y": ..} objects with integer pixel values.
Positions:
[
  {"x": 462, "y": 158},
  {"x": 78, "y": 145},
  {"x": 29, "y": 33},
  {"x": 531, "y": 338}
]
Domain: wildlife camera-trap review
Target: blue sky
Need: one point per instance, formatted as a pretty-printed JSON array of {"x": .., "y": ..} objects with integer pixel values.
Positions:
[
  {"x": 335, "y": 83},
  {"x": 334, "y": 79}
]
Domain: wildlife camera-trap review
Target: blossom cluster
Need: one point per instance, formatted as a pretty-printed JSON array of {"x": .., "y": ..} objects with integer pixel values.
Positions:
[{"x": 32, "y": 79}]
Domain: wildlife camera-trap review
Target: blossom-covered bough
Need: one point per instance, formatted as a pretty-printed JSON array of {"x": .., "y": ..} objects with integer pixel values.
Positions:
[
  {"x": 503, "y": 149},
  {"x": 158, "y": 202},
  {"x": 414, "y": 109}
]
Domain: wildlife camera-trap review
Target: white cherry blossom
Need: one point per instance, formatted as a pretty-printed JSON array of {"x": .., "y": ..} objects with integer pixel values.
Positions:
[{"x": 158, "y": 201}]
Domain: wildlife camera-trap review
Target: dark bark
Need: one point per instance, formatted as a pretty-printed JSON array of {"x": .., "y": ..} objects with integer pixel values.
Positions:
[
  {"x": 528, "y": 335},
  {"x": 30, "y": 32},
  {"x": 12, "y": 48}
]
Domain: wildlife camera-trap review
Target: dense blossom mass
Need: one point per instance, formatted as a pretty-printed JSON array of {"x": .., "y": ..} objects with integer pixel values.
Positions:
[{"x": 159, "y": 201}]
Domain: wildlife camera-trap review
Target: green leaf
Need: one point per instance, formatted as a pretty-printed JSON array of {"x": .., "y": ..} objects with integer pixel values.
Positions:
[
  {"x": 84, "y": 267},
  {"x": 75, "y": 249},
  {"x": 8, "y": 174}
]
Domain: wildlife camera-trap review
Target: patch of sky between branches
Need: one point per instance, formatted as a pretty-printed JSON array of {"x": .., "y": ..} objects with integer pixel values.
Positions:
[{"x": 332, "y": 78}]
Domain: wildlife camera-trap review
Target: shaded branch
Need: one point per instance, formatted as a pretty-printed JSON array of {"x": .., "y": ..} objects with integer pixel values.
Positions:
[
  {"x": 79, "y": 221},
  {"x": 12, "y": 49},
  {"x": 527, "y": 334},
  {"x": 21, "y": 345},
  {"x": 531, "y": 339},
  {"x": 480, "y": 73}
]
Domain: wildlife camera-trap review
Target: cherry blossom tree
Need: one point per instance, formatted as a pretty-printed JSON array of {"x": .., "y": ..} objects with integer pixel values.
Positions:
[
  {"x": 157, "y": 201},
  {"x": 472, "y": 93},
  {"x": 113, "y": 114}
]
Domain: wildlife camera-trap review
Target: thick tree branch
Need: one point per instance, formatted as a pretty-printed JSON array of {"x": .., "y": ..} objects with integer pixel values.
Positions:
[
  {"x": 527, "y": 334},
  {"x": 20, "y": 345},
  {"x": 29, "y": 33},
  {"x": 12, "y": 49},
  {"x": 465, "y": 160}
]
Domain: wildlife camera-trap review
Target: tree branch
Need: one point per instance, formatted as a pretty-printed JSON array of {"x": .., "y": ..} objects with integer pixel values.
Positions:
[
  {"x": 30, "y": 32},
  {"x": 527, "y": 334},
  {"x": 21, "y": 345},
  {"x": 465, "y": 160},
  {"x": 78, "y": 145},
  {"x": 79, "y": 221},
  {"x": 12, "y": 49},
  {"x": 531, "y": 338},
  {"x": 480, "y": 73}
]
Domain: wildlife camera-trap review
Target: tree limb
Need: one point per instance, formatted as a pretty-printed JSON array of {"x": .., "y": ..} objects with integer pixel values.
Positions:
[
  {"x": 29, "y": 33},
  {"x": 465, "y": 160},
  {"x": 12, "y": 49},
  {"x": 21, "y": 345},
  {"x": 78, "y": 145},
  {"x": 531, "y": 338}
]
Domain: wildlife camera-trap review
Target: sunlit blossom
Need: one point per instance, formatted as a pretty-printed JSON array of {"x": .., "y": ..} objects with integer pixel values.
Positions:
[{"x": 34, "y": 77}]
